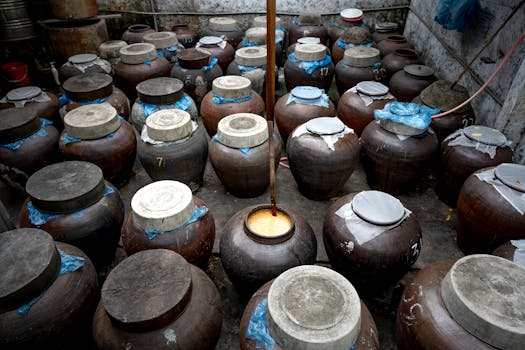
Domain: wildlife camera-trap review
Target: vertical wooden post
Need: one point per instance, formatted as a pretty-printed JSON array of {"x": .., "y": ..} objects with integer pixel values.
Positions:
[{"x": 270, "y": 93}]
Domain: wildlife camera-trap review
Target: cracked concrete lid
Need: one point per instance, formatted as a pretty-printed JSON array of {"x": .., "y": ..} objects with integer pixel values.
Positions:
[
  {"x": 242, "y": 130},
  {"x": 138, "y": 53},
  {"x": 251, "y": 56},
  {"x": 169, "y": 125},
  {"x": 232, "y": 86},
  {"x": 359, "y": 56},
  {"x": 92, "y": 121},
  {"x": 161, "y": 40},
  {"x": 440, "y": 95}
]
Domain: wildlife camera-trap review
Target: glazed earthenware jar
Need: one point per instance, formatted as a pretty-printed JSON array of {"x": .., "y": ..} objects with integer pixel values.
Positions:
[
  {"x": 309, "y": 65},
  {"x": 384, "y": 29},
  {"x": 308, "y": 25},
  {"x": 135, "y": 33},
  {"x": 74, "y": 9},
  {"x": 352, "y": 37},
  {"x": 409, "y": 82},
  {"x": 83, "y": 63},
  {"x": 166, "y": 43},
  {"x": 218, "y": 48},
  {"x": 397, "y": 60},
  {"x": 224, "y": 27},
  {"x": 358, "y": 64},
  {"x": 391, "y": 43},
  {"x": 185, "y": 35}
]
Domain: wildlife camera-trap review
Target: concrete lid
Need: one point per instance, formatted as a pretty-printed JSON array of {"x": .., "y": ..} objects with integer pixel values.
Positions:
[
  {"x": 162, "y": 205},
  {"x": 485, "y": 135},
  {"x": 82, "y": 58},
  {"x": 440, "y": 95},
  {"x": 313, "y": 307},
  {"x": 386, "y": 27},
  {"x": 251, "y": 56},
  {"x": 372, "y": 88},
  {"x": 359, "y": 56},
  {"x": 111, "y": 49},
  {"x": 351, "y": 14},
  {"x": 18, "y": 123},
  {"x": 23, "y": 93},
  {"x": 260, "y": 21},
  {"x": 309, "y": 40},
  {"x": 210, "y": 40},
  {"x": 160, "y": 90},
  {"x": 256, "y": 35},
  {"x": 325, "y": 126},
  {"x": 223, "y": 24},
  {"x": 138, "y": 53},
  {"x": 419, "y": 70},
  {"x": 310, "y": 19},
  {"x": 310, "y": 52},
  {"x": 92, "y": 121},
  {"x": 232, "y": 86},
  {"x": 161, "y": 40},
  {"x": 484, "y": 294},
  {"x": 356, "y": 35},
  {"x": 169, "y": 125},
  {"x": 512, "y": 175},
  {"x": 378, "y": 208},
  {"x": 88, "y": 86},
  {"x": 241, "y": 130}
]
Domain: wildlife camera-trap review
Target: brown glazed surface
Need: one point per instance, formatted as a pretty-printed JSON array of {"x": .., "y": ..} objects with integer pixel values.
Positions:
[
  {"x": 392, "y": 165},
  {"x": 355, "y": 114},
  {"x": 347, "y": 77},
  {"x": 185, "y": 35},
  {"x": 198, "y": 327},
  {"x": 194, "y": 242},
  {"x": 117, "y": 99},
  {"x": 458, "y": 162},
  {"x": 197, "y": 82},
  {"x": 243, "y": 175},
  {"x": 127, "y": 76},
  {"x": 68, "y": 9},
  {"x": 294, "y": 76},
  {"x": 405, "y": 87},
  {"x": 397, "y": 60},
  {"x": 224, "y": 56},
  {"x": 61, "y": 318},
  {"x": 423, "y": 322},
  {"x": 376, "y": 264},
  {"x": 47, "y": 110},
  {"x": 234, "y": 37},
  {"x": 485, "y": 219},
  {"x": 115, "y": 154},
  {"x": 391, "y": 43},
  {"x": 297, "y": 32},
  {"x": 212, "y": 113},
  {"x": 250, "y": 264},
  {"x": 95, "y": 229},
  {"x": 506, "y": 250},
  {"x": 66, "y": 71},
  {"x": 379, "y": 36},
  {"x": 319, "y": 172},
  {"x": 135, "y": 33},
  {"x": 367, "y": 339},
  {"x": 184, "y": 161}
]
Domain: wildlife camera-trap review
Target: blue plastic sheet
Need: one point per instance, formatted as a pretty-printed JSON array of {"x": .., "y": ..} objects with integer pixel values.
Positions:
[
  {"x": 148, "y": 63},
  {"x": 250, "y": 68},
  {"x": 244, "y": 150},
  {"x": 412, "y": 114},
  {"x": 455, "y": 14},
  {"x": 310, "y": 66},
  {"x": 65, "y": 100},
  {"x": 222, "y": 100},
  {"x": 198, "y": 213},
  {"x": 160, "y": 54},
  {"x": 247, "y": 44},
  {"x": 66, "y": 139},
  {"x": 184, "y": 103},
  {"x": 344, "y": 45},
  {"x": 213, "y": 63},
  {"x": 13, "y": 146},
  {"x": 173, "y": 48},
  {"x": 294, "y": 21},
  {"x": 321, "y": 101},
  {"x": 257, "y": 328}
]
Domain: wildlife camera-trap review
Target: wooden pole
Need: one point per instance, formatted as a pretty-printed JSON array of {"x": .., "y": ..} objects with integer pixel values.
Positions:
[{"x": 270, "y": 93}]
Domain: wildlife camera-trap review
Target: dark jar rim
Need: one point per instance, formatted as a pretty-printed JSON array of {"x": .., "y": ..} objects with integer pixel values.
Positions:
[{"x": 265, "y": 239}]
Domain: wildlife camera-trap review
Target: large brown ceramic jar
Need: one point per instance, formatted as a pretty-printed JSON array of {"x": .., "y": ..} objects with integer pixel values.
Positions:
[
  {"x": 322, "y": 153},
  {"x": 255, "y": 37},
  {"x": 466, "y": 151},
  {"x": 74, "y": 9},
  {"x": 218, "y": 48},
  {"x": 409, "y": 82},
  {"x": 256, "y": 247},
  {"x": 309, "y": 65},
  {"x": 358, "y": 64},
  {"x": 230, "y": 94},
  {"x": 82, "y": 210},
  {"x": 83, "y": 63},
  {"x": 490, "y": 208},
  {"x": 356, "y": 106},
  {"x": 135, "y": 33},
  {"x": 352, "y": 37},
  {"x": 383, "y": 30},
  {"x": 457, "y": 306},
  {"x": 397, "y": 60},
  {"x": 154, "y": 299},
  {"x": 197, "y": 70},
  {"x": 225, "y": 27},
  {"x": 48, "y": 292},
  {"x": 250, "y": 62},
  {"x": 166, "y": 43},
  {"x": 513, "y": 250},
  {"x": 185, "y": 34},
  {"x": 165, "y": 215},
  {"x": 371, "y": 239},
  {"x": 299, "y": 106},
  {"x": 349, "y": 18},
  {"x": 89, "y": 88},
  {"x": 110, "y": 50},
  {"x": 239, "y": 154},
  {"x": 308, "y": 25},
  {"x": 173, "y": 147},
  {"x": 391, "y": 43},
  {"x": 308, "y": 307},
  {"x": 139, "y": 62}
]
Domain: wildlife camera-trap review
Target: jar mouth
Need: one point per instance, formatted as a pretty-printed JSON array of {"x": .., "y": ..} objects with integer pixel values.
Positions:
[
  {"x": 261, "y": 226},
  {"x": 396, "y": 38},
  {"x": 138, "y": 28},
  {"x": 406, "y": 53}
]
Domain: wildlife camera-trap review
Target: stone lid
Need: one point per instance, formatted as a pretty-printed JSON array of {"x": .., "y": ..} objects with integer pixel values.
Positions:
[
  {"x": 232, "y": 86},
  {"x": 359, "y": 56},
  {"x": 23, "y": 93},
  {"x": 371, "y": 88},
  {"x": 310, "y": 52},
  {"x": 82, "y": 58},
  {"x": 378, "y": 208},
  {"x": 440, "y": 95},
  {"x": 419, "y": 70},
  {"x": 210, "y": 40},
  {"x": 260, "y": 21},
  {"x": 484, "y": 294},
  {"x": 18, "y": 123},
  {"x": 138, "y": 53},
  {"x": 241, "y": 130},
  {"x": 169, "y": 125},
  {"x": 307, "y": 92},
  {"x": 485, "y": 135},
  {"x": 162, "y": 205},
  {"x": 309, "y": 40},
  {"x": 310, "y": 19},
  {"x": 352, "y": 15},
  {"x": 512, "y": 175},
  {"x": 251, "y": 56},
  {"x": 111, "y": 49},
  {"x": 256, "y": 35},
  {"x": 223, "y": 24},
  {"x": 160, "y": 91},
  {"x": 325, "y": 126},
  {"x": 92, "y": 121},
  {"x": 66, "y": 187},
  {"x": 313, "y": 307},
  {"x": 88, "y": 86},
  {"x": 193, "y": 58},
  {"x": 147, "y": 290},
  {"x": 161, "y": 40},
  {"x": 356, "y": 35},
  {"x": 29, "y": 264},
  {"x": 386, "y": 27}
]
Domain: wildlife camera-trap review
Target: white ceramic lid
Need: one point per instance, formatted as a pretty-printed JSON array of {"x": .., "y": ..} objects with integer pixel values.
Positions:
[
  {"x": 485, "y": 135},
  {"x": 351, "y": 13},
  {"x": 310, "y": 52},
  {"x": 372, "y": 88},
  {"x": 251, "y": 56},
  {"x": 223, "y": 24},
  {"x": 378, "y": 208},
  {"x": 92, "y": 121},
  {"x": 419, "y": 70},
  {"x": 138, "y": 53},
  {"x": 23, "y": 93},
  {"x": 242, "y": 130},
  {"x": 359, "y": 56},
  {"x": 82, "y": 58},
  {"x": 232, "y": 86},
  {"x": 162, "y": 205},
  {"x": 512, "y": 175},
  {"x": 111, "y": 49},
  {"x": 325, "y": 126},
  {"x": 307, "y": 92},
  {"x": 309, "y": 40},
  {"x": 169, "y": 125},
  {"x": 161, "y": 40}
]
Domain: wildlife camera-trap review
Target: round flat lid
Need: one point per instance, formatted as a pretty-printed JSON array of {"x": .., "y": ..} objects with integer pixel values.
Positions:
[
  {"x": 485, "y": 135},
  {"x": 92, "y": 121},
  {"x": 29, "y": 264},
  {"x": 309, "y": 40},
  {"x": 223, "y": 24},
  {"x": 313, "y": 307},
  {"x": 232, "y": 86},
  {"x": 147, "y": 290},
  {"x": 372, "y": 88},
  {"x": 82, "y": 58},
  {"x": 23, "y": 93},
  {"x": 484, "y": 294},
  {"x": 242, "y": 130},
  {"x": 260, "y": 21},
  {"x": 111, "y": 49},
  {"x": 256, "y": 35},
  {"x": 161, "y": 40},
  {"x": 251, "y": 56},
  {"x": 307, "y": 92},
  {"x": 440, "y": 95},
  {"x": 359, "y": 56},
  {"x": 325, "y": 126},
  {"x": 378, "y": 208},
  {"x": 138, "y": 53},
  {"x": 169, "y": 125},
  {"x": 17, "y": 123},
  {"x": 352, "y": 14},
  {"x": 66, "y": 187},
  {"x": 210, "y": 40},
  {"x": 310, "y": 52},
  {"x": 194, "y": 58},
  {"x": 162, "y": 205},
  {"x": 386, "y": 27},
  {"x": 88, "y": 86},
  {"x": 512, "y": 175},
  {"x": 161, "y": 90},
  {"x": 419, "y": 70},
  {"x": 310, "y": 19}
]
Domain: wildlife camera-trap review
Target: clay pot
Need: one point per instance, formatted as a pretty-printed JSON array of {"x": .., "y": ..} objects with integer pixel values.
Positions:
[
  {"x": 219, "y": 48},
  {"x": 383, "y": 30},
  {"x": 308, "y": 25},
  {"x": 409, "y": 82},
  {"x": 295, "y": 73},
  {"x": 166, "y": 43},
  {"x": 186, "y": 36},
  {"x": 224, "y": 27},
  {"x": 358, "y": 64},
  {"x": 83, "y": 63},
  {"x": 391, "y": 43},
  {"x": 250, "y": 62},
  {"x": 252, "y": 257},
  {"x": 135, "y": 33},
  {"x": 352, "y": 37},
  {"x": 184, "y": 305},
  {"x": 73, "y": 9},
  {"x": 397, "y": 60}
]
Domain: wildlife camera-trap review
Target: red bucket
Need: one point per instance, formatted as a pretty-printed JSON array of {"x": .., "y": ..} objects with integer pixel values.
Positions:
[{"x": 16, "y": 73}]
